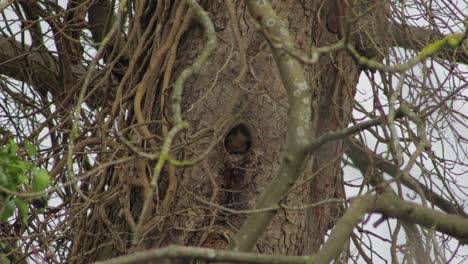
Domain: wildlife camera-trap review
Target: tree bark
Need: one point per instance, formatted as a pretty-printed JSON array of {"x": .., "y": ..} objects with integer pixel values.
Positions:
[
  {"x": 214, "y": 104},
  {"x": 238, "y": 110}
]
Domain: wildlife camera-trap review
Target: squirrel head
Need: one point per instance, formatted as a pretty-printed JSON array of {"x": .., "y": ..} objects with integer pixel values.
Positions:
[{"x": 238, "y": 140}]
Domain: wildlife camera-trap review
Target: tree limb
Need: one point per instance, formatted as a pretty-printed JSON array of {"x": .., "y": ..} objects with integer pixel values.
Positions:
[
  {"x": 416, "y": 38},
  {"x": 100, "y": 19},
  {"x": 299, "y": 127},
  {"x": 360, "y": 156},
  {"x": 390, "y": 206},
  {"x": 41, "y": 70},
  {"x": 180, "y": 252},
  {"x": 452, "y": 225},
  {"x": 334, "y": 135},
  {"x": 100, "y": 15},
  {"x": 387, "y": 204}
]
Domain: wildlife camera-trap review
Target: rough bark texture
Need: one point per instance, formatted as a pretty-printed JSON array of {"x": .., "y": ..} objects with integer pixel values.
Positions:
[
  {"x": 100, "y": 83},
  {"x": 336, "y": 76},
  {"x": 213, "y": 103},
  {"x": 262, "y": 106}
]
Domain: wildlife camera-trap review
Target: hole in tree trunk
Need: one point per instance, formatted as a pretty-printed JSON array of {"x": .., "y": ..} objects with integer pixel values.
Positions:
[{"x": 238, "y": 140}]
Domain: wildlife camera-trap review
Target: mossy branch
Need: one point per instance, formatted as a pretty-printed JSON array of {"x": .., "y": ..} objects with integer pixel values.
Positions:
[
  {"x": 299, "y": 124},
  {"x": 450, "y": 41}
]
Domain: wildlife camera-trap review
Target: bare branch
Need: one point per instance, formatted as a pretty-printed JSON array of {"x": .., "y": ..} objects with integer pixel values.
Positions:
[
  {"x": 390, "y": 206},
  {"x": 416, "y": 38},
  {"x": 43, "y": 70},
  {"x": 179, "y": 252},
  {"x": 360, "y": 156},
  {"x": 299, "y": 127}
]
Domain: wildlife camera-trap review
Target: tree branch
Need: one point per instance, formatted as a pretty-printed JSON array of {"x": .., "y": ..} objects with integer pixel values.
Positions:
[
  {"x": 100, "y": 15},
  {"x": 446, "y": 43},
  {"x": 387, "y": 204},
  {"x": 299, "y": 127},
  {"x": 33, "y": 25},
  {"x": 333, "y": 135},
  {"x": 5, "y": 4},
  {"x": 360, "y": 157},
  {"x": 390, "y": 206},
  {"x": 342, "y": 231},
  {"x": 40, "y": 70},
  {"x": 416, "y": 38},
  {"x": 449, "y": 224},
  {"x": 179, "y": 252}
]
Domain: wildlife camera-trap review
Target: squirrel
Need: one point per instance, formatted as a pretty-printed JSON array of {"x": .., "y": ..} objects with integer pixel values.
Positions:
[{"x": 238, "y": 140}]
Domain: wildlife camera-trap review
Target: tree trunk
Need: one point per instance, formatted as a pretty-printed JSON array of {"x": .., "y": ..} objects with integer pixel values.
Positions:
[
  {"x": 237, "y": 109},
  {"x": 335, "y": 78}
]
